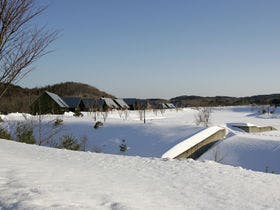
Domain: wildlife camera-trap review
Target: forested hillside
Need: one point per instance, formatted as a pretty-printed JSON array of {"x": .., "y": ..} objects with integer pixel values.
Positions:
[
  {"x": 18, "y": 99},
  {"x": 273, "y": 99}
]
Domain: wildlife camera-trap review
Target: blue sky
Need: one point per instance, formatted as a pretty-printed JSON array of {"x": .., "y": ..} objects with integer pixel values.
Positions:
[{"x": 164, "y": 48}]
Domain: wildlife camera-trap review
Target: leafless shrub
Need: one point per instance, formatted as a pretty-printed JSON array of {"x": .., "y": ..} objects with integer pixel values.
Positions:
[
  {"x": 47, "y": 131},
  {"x": 126, "y": 114},
  {"x": 120, "y": 112},
  {"x": 83, "y": 143},
  {"x": 155, "y": 111},
  {"x": 96, "y": 115},
  {"x": 203, "y": 116},
  {"x": 141, "y": 114},
  {"x": 104, "y": 115}
]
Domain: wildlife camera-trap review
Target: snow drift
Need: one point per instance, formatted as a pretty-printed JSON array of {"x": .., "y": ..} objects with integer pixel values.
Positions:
[{"x": 33, "y": 177}]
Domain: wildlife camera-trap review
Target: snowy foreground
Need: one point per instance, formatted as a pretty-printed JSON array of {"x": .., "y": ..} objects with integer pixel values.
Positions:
[
  {"x": 258, "y": 151},
  {"x": 33, "y": 177}
]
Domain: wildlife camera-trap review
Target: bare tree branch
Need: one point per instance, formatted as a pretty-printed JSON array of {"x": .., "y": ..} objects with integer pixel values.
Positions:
[{"x": 21, "y": 43}]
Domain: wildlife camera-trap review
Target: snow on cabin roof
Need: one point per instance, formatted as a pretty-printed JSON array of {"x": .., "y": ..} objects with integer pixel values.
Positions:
[
  {"x": 170, "y": 105},
  {"x": 110, "y": 103},
  {"x": 72, "y": 102},
  {"x": 121, "y": 103},
  {"x": 58, "y": 100},
  {"x": 183, "y": 146},
  {"x": 164, "y": 106},
  {"x": 242, "y": 124}
]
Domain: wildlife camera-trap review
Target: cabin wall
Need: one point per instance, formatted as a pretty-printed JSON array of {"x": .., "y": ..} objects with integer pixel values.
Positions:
[
  {"x": 255, "y": 129},
  {"x": 45, "y": 105}
]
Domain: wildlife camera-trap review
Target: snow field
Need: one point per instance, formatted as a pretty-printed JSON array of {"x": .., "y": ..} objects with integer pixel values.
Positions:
[
  {"x": 33, "y": 177},
  {"x": 259, "y": 151}
]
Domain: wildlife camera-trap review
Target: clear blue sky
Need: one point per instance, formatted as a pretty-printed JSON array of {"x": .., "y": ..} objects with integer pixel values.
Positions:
[{"x": 164, "y": 48}]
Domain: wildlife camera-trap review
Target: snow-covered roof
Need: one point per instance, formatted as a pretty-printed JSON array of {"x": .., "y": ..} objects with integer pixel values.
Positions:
[
  {"x": 170, "y": 105},
  {"x": 242, "y": 124},
  {"x": 58, "y": 100},
  {"x": 121, "y": 103},
  {"x": 190, "y": 142},
  {"x": 110, "y": 103},
  {"x": 164, "y": 106}
]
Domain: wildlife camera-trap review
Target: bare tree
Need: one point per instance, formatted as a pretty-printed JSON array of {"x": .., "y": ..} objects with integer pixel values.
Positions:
[
  {"x": 126, "y": 114},
  {"x": 203, "y": 116},
  {"x": 83, "y": 143},
  {"x": 120, "y": 112},
  {"x": 104, "y": 115},
  {"x": 48, "y": 130},
  {"x": 21, "y": 42},
  {"x": 141, "y": 114},
  {"x": 155, "y": 111}
]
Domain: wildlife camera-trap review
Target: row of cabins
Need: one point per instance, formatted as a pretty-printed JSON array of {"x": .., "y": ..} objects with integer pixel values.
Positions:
[{"x": 52, "y": 103}]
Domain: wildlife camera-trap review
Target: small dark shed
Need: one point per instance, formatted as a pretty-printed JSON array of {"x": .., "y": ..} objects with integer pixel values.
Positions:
[
  {"x": 137, "y": 104},
  {"x": 48, "y": 103},
  {"x": 74, "y": 103},
  {"x": 92, "y": 104}
]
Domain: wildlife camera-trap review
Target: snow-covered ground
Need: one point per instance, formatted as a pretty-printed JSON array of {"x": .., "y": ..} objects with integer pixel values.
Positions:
[
  {"x": 254, "y": 151},
  {"x": 152, "y": 139},
  {"x": 259, "y": 151},
  {"x": 33, "y": 177}
]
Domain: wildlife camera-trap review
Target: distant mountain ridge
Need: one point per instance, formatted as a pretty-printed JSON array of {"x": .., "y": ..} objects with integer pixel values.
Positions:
[
  {"x": 192, "y": 100},
  {"x": 18, "y": 99}
]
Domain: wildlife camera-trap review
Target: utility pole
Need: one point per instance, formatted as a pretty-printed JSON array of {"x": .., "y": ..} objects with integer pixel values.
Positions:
[{"x": 144, "y": 115}]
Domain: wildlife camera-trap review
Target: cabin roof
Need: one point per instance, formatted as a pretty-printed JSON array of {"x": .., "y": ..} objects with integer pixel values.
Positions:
[
  {"x": 92, "y": 102},
  {"x": 121, "y": 103},
  {"x": 57, "y": 99},
  {"x": 110, "y": 103},
  {"x": 72, "y": 102}
]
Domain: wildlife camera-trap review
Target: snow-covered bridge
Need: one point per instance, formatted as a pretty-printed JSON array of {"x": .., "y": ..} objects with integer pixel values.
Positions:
[{"x": 197, "y": 144}]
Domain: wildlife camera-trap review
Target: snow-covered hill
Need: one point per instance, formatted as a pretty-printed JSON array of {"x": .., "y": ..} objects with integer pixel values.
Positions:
[{"x": 33, "y": 177}]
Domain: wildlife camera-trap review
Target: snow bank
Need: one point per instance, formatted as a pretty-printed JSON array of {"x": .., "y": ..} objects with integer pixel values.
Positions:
[
  {"x": 259, "y": 152},
  {"x": 68, "y": 114},
  {"x": 33, "y": 177}
]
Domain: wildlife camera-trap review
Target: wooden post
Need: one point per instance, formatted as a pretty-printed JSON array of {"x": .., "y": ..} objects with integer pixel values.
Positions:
[{"x": 144, "y": 115}]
